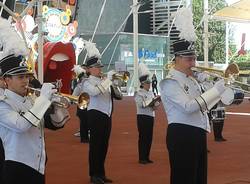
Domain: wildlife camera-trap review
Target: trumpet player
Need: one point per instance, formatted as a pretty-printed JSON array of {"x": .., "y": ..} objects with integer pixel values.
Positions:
[
  {"x": 100, "y": 110},
  {"x": 22, "y": 123},
  {"x": 81, "y": 111}
]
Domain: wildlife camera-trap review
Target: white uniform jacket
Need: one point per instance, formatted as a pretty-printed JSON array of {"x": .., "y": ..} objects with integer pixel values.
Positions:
[
  {"x": 22, "y": 142},
  {"x": 141, "y": 96},
  {"x": 98, "y": 100},
  {"x": 178, "y": 93},
  {"x": 79, "y": 88}
]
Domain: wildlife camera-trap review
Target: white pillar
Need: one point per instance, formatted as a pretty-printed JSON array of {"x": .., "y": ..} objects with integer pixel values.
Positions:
[
  {"x": 40, "y": 40},
  {"x": 135, "y": 43},
  {"x": 227, "y": 44},
  {"x": 205, "y": 33}
]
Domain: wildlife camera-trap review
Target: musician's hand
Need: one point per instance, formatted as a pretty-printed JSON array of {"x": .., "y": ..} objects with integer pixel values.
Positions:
[
  {"x": 220, "y": 85},
  {"x": 201, "y": 77},
  {"x": 157, "y": 103},
  {"x": 48, "y": 90},
  {"x": 110, "y": 74}
]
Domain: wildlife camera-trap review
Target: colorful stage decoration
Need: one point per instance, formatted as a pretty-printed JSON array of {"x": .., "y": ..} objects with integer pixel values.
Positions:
[{"x": 57, "y": 25}]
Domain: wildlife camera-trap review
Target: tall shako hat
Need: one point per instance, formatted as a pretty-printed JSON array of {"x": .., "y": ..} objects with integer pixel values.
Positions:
[
  {"x": 93, "y": 62},
  {"x": 13, "y": 65},
  {"x": 144, "y": 73},
  {"x": 93, "y": 55},
  {"x": 14, "y": 50},
  {"x": 184, "y": 23}
]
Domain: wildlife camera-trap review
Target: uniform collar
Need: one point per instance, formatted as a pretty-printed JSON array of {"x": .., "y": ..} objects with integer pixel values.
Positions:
[
  {"x": 94, "y": 77},
  {"x": 175, "y": 72},
  {"x": 13, "y": 95}
]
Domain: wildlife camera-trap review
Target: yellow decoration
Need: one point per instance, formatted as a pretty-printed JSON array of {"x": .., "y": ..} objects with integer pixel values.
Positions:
[
  {"x": 64, "y": 17},
  {"x": 45, "y": 9},
  {"x": 68, "y": 12}
]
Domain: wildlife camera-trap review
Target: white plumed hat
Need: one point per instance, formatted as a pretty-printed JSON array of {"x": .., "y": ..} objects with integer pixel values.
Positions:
[
  {"x": 10, "y": 41},
  {"x": 144, "y": 73},
  {"x": 184, "y": 23}
]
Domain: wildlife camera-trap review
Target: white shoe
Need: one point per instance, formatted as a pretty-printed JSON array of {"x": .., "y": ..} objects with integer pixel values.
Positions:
[{"x": 77, "y": 134}]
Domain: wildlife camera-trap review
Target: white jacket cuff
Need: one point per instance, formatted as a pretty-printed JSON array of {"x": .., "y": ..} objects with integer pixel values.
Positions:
[
  {"x": 36, "y": 113},
  {"x": 208, "y": 99}
]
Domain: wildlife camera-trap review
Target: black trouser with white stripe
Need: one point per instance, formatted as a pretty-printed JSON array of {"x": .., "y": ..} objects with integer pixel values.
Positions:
[
  {"x": 145, "y": 125},
  {"x": 100, "y": 128},
  {"x": 187, "y": 147},
  {"x": 17, "y": 173}
]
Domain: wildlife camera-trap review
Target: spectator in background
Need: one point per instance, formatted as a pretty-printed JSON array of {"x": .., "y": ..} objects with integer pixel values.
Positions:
[{"x": 154, "y": 85}]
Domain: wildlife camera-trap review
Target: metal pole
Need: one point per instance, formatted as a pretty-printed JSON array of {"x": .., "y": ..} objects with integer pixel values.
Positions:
[
  {"x": 4, "y": 1},
  {"x": 206, "y": 33},
  {"x": 40, "y": 40},
  {"x": 135, "y": 43},
  {"x": 227, "y": 44}
]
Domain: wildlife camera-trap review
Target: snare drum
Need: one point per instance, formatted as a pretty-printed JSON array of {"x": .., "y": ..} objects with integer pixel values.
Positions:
[
  {"x": 218, "y": 114},
  {"x": 227, "y": 96},
  {"x": 232, "y": 96},
  {"x": 238, "y": 97}
]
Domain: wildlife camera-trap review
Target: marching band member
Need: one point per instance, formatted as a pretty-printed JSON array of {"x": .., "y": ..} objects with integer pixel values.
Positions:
[
  {"x": 2, "y": 87},
  {"x": 81, "y": 112},
  {"x": 99, "y": 118},
  {"x": 22, "y": 123},
  {"x": 186, "y": 107},
  {"x": 218, "y": 122},
  {"x": 217, "y": 112},
  {"x": 145, "y": 115}
]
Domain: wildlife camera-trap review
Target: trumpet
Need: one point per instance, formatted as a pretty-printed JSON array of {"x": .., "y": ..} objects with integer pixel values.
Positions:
[
  {"x": 82, "y": 100},
  {"x": 65, "y": 100},
  {"x": 62, "y": 101},
  {"x": 120, "y": 77}
]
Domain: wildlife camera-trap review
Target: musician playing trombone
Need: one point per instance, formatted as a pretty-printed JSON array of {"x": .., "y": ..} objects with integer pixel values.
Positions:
[
  {"x": 186, "y": 106},
  {"x": 22, "y": 123}
]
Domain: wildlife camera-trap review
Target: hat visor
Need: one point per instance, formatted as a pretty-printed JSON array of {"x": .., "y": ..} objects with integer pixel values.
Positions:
[
  {"x": 96, "y": 65},
  {"x": 146, "y": 81},
  {"x": 187, "y": 53},
  {"x": 19, "y": 73}
]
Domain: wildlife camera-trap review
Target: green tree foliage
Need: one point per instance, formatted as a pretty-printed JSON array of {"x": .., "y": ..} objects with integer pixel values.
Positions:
[{"x": 217, "y": 31}]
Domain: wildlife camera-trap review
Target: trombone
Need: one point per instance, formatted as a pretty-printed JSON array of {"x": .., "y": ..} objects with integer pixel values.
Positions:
[{"x": 229, "y": 75}]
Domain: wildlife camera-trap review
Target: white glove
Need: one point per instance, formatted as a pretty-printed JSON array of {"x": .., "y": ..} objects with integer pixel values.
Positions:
[
  {"x": 157, "y": 104},
  {"x": 202, "y": 77},
  {"x": 110, "y": 74},
  {"x": 220, "y": 86},
  {"x": 47, "y": 90}
]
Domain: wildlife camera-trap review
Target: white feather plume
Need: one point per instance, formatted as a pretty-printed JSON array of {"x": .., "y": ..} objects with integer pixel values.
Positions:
[
  {"x": 184, "y": 23},
  {"x": 143, "y": 70},
  {"x": 91, "y": 49},
  {"x": 10, "y": 41},
  {"x": 78, "y": 69}
]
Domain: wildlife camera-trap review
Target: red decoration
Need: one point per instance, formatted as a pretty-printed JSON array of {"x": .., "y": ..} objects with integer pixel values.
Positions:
[{"x": 71, "y": 2}]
